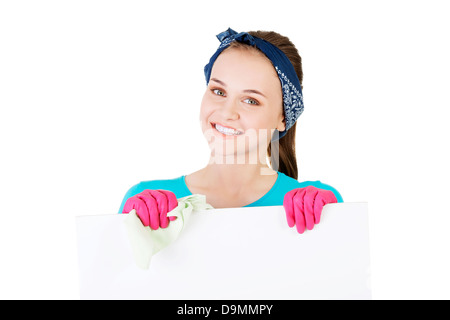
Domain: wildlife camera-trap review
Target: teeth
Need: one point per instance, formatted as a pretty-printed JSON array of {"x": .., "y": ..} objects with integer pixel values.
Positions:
[{"x": 227, "y": 131}]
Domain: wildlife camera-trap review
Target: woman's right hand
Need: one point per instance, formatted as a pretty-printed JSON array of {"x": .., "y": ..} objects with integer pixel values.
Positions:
[{"x": 152, "y": 207}]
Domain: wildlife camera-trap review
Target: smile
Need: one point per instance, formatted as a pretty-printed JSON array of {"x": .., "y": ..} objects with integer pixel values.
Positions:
[{"x": 226, "y": 130}]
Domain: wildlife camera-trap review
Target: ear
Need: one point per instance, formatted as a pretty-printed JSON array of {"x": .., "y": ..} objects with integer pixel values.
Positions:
[{"x": 281, "y": 124}]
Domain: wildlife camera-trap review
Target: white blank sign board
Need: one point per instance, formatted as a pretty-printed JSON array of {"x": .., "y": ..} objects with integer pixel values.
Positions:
[{"x": 239, "y": 253}]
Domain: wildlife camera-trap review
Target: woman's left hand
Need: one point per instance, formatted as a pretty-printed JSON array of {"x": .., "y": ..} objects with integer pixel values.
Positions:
[{"x": 304, "y": 206}]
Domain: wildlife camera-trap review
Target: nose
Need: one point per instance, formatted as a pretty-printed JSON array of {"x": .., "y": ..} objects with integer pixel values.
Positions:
[{"x": 230, "y": 110}]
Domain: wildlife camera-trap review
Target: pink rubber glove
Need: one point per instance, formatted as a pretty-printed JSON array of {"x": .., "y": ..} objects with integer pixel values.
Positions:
[
  {"x": 303, "y": 206},
  {"x": 152, "y": 207}
]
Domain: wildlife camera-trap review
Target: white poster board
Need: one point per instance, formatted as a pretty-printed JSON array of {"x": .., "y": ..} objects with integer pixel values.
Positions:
[{"x": 241, "y": 253}]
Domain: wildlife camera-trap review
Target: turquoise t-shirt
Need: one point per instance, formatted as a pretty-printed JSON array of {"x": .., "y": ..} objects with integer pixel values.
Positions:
[{"x": 274, "y": 197}]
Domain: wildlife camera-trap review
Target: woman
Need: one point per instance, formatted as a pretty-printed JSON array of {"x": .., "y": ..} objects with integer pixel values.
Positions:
[{"x": 248, "y": 115}]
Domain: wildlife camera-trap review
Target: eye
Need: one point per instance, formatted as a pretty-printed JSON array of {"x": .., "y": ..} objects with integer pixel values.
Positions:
[
  {"x": 252, "y": 101},
  {"x": 218, "y": 92}
]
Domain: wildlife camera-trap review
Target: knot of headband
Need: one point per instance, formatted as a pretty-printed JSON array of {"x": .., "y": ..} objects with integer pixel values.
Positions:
[{"x": 290, "y": 84}]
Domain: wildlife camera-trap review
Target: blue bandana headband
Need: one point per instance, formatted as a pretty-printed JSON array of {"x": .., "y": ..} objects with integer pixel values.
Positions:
[{"x": 290, "y": 84}]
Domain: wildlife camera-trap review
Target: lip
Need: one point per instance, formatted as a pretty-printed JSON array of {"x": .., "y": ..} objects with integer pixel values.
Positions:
[{"x": 213, "y": 126}]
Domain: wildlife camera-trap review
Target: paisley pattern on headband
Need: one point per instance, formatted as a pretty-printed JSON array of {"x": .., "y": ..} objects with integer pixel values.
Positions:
[{"x": 292, "y": 99}]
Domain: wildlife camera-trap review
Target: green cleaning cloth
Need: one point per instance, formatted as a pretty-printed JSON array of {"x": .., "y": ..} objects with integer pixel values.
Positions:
[{"x": 146, "y": 242}]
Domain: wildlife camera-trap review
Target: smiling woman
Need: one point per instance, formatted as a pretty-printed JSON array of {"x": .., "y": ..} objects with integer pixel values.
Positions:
[
  {"x": 248, "y": 111},
  {"x": 283, "y": 159},
  {"x": 232, "y": 107}
]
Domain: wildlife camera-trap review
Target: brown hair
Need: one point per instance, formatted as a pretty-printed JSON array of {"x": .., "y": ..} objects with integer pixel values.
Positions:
[{"x": 286, "y": 161}]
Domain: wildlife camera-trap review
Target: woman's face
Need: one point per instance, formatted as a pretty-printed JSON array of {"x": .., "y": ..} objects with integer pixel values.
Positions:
[{"x": 242, "y": 104}]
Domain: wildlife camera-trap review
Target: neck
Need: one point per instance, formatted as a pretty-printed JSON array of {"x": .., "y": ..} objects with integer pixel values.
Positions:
[{"x": 238, "y": 170}]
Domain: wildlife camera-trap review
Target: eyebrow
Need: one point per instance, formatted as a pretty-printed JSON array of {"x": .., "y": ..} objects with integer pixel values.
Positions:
[{"x": 247, "y": 90}]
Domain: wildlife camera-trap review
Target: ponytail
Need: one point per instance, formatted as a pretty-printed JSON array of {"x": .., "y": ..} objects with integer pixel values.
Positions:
[{"x": 282, "y": 154}]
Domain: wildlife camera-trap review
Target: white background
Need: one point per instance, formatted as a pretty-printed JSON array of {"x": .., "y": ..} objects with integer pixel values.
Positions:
[{"x": 96, "y": 96}]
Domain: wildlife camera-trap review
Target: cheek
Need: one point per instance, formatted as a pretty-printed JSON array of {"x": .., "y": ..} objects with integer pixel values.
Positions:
[
  {"x": 205, "y": 112},
  {"x": 266, "y": 120},
  {"x": 276, "y": 116}
]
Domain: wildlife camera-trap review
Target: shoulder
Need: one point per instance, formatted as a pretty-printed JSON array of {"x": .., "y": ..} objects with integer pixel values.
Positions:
[
  {"x": 287, "y": 184},
  {"x": 176, "y": 185}
]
